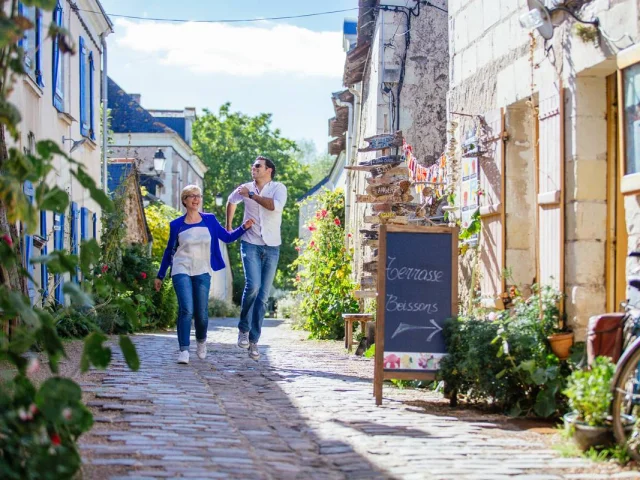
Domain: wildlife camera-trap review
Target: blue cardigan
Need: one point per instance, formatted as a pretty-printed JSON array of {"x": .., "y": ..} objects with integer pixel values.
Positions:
[{"x": 217, "y": 233}]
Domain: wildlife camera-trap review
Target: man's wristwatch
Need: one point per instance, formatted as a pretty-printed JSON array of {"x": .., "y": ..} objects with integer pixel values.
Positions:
[{"x": 251, "y": 194}]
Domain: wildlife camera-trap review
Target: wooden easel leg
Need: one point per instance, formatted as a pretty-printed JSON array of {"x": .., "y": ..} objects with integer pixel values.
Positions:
[
  {"x": 346, "y": 334},
  {"x": 349, "y": 336}
]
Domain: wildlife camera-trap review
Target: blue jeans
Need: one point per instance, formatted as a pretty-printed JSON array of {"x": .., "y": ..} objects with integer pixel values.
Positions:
[
  {"x": 260, "y": 263},
  {"x": 193, "y": 301}
]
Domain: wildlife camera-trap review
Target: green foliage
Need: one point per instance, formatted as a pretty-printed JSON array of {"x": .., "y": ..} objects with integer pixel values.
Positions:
[
  {"x": 158, "y": 217},
  {"x": 39, "y": 427},
  {"x": 319, "y": 164},
  {"x": 227, "y": 143},
  {"x": 222, "y": 309},
  {"x": 75, "y": 323},
  {"x": 288, "y": 307},
  {"x": 474, "y": 226},
  {"x": 505, "y": 358},
  {"x": 324, "y": 282},
  {"x": 589, "y": 392}
]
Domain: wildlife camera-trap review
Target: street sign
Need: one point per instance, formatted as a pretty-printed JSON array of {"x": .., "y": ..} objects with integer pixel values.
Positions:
[
  {"x": 417, "y": 292},
  {"x": 380, "y": 142},
  {"x": 386, "y": 160}
]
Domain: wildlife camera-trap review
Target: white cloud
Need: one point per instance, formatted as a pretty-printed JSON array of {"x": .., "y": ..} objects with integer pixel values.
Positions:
[{"x": 236, "y": 50}]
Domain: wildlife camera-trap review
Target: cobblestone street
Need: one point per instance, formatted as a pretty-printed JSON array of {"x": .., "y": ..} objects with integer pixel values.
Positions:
[{"x": 305, "y": 410}]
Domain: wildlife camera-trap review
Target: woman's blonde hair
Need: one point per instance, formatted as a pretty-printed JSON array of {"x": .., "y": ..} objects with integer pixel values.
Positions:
[{"x": 189, "y": 190}]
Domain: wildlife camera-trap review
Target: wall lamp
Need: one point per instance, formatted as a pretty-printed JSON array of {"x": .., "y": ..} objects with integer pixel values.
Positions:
[
  {"x": 539, "y": 17},
  {"x": 75, "y": 143}
]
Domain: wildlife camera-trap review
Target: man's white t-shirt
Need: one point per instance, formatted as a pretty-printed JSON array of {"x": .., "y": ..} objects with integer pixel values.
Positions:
[{"x": 266, "y": 226}]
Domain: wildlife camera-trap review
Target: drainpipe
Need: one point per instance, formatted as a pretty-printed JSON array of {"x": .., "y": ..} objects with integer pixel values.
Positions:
[
  {"x": 355, "y": 141},
  {"x": 348, "y": 154},
  {"x": 105, "y": 130}
]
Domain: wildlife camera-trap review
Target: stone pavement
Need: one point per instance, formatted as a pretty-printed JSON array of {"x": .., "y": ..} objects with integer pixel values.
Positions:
[{"x": 305, "y": 410}]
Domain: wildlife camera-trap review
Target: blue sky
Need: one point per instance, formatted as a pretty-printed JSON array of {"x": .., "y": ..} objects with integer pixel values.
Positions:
[{"x": 288, "y": 68}]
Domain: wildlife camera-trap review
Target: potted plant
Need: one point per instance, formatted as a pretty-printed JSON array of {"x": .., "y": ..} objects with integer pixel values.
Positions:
[
  {"x": 589, "y": 397},
  {"x": 560, "y": 338}
]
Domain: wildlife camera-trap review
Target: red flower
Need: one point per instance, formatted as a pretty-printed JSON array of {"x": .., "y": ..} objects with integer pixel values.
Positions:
[
  {"x": 7, "y": 239},
  {"x": 104, "y": 268},
  {"x": 323, "y": 213},
  {"x": 143, "y": 275},
  {"x": 336, "y": 221},
  {"x": 312, "y": 244},
  {"x": 297, "y": 249},
  {"x": 312, "y": 228},
  {"x": 348, "y": 235},
  {"x": 55, "y": 439}
]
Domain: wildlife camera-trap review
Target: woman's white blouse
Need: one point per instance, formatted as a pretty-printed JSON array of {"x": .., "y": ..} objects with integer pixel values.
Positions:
[{"x": 193, "y": 255}]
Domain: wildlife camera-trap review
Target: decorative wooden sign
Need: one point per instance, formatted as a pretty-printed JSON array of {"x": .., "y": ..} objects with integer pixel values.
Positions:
[
  {"x": 387, "y": 179},
  {"x": 390, "y": 189},
  {"x": 369, "y": 234},
  {"x": 365, "y": 294},
  {"x": 368, "y": 242},
  {"x": 405, "y": 198},
  {"x": 385, "y": 160},
  {"x": 381, "y": 170},
  {"x": 368, "y": 282},
  {"x": 385, "y": 218},
  {"x": 380, "y": 142},
  {"x": 417, "y": 291},
  {"x": 375, "y": 170},
  {"x": 370, "y": 267}
]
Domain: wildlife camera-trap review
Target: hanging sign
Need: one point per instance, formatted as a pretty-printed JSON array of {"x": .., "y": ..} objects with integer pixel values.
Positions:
[
  {"x": 417, "y": 292},
  {"x": 380, "y": 142},
  {"x": 386, "y": 160}
]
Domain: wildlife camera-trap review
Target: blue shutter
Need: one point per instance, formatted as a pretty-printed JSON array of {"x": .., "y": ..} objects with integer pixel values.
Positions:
[
  {"x": 84, "y": 224},
  {"x": 74, "y": 236},
  {"x": 39, "y": 77},
  {"x": 92, "y": 130},
  {"x": 84, "y": 126},
  {"x": 23, "y": 41},
  {"x": 29, "y": 191},
  {"x": 58, "y": 244},
  {"x": 95, "y": 225},
  {"x": 44, "y": 272},
  {"x": 57, "y": 98}
]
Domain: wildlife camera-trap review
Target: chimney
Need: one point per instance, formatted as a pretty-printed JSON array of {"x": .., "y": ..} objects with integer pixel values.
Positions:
[
  {"x": 189, "y": 118},
  {"x": 136, "y": 97}
]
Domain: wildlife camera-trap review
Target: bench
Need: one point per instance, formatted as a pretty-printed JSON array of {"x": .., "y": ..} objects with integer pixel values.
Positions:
[{"x": 349, "y": 318}]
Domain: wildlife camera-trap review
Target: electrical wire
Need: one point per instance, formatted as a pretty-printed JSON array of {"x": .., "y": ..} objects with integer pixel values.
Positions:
[{"x": 245, "y": 20}]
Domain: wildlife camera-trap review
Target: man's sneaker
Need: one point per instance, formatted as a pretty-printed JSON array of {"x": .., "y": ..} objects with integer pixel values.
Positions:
[
  {"x": 254, "y": 353},
  {"x": 201, "y": 350},
  {"x": 183, "y": 357},
  {"x": 243, "y": 339}
]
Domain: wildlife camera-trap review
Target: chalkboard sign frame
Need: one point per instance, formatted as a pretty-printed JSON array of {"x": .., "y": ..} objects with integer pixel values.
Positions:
[{"x": 380, "y": 374}]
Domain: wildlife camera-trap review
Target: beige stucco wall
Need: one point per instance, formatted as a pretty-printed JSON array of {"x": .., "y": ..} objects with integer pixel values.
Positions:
[
  {"x": 41, "y": 119},
  {"x": 491, "y": 66}
]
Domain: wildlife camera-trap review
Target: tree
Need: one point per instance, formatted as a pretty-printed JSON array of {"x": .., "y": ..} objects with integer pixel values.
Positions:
[
  {"x": 319, "y": 163},
  {"x": 227, "y": 143}
]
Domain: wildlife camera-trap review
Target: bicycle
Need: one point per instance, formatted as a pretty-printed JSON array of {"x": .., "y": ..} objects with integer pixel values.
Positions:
[{"x": 625, "y": 386}]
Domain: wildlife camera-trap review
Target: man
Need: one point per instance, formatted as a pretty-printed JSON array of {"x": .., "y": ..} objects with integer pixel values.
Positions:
[{"x": 264, "y": 201}]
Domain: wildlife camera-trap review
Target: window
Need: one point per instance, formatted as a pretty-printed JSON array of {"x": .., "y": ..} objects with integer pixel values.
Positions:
[
  {"x": 631, "y": 92},
  {"x": 58, "y": 244},
  {"x": 31, "y": 42},
  {"x": 74, "y": 236},
  {"x": 86, "y": 91},
  {"x": 44, "y": 273},
  {"x": 58, "y": 64}
]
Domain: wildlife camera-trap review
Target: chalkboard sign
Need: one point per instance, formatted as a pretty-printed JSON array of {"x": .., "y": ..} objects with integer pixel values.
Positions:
[{"x": 417, "y": 293}]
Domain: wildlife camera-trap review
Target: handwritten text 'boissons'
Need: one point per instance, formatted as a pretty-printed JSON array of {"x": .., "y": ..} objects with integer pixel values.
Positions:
[
  {"x": 393, "y": 305},
  {"x": 415, "y": 274}
]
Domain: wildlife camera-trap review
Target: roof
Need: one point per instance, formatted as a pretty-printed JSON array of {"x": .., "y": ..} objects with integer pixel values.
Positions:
[
  {"x": 118, "y": 172},
  {"x": 175, "y": 123},
  {"x": 337, "y": 145},
  {"x": 128, "y": 116}
]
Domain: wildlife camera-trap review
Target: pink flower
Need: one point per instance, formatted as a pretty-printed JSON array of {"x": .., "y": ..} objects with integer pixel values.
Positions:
[
  {"x": 67, "y": 413},
  {"x": 336, "y": 221},
  {"x": 55, "y": 439},
  {"x": 323, "y": 213},
  {"x": 312, "y": 228},
  {"x": 24, "y": 415},
  {"x": 7, "y": 239},
  {"x": 492, "y": 316},
  {"x": 104, "y": 268},
  {"x": 33, "y": 409},
  {"x": 33, "y": 366},
  {"x": 312, "y": 244},
  {"x": 297, "y": 249},
  {"x": 143, "y": 275}
]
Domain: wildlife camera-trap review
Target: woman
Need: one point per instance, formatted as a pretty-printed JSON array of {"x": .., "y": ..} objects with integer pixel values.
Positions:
[{"x": 193, "y": 253}]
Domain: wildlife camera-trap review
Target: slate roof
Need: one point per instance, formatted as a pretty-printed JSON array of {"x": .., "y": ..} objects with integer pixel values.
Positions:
[
  {"x": 128, "y": 116},
  {"x": 315, "y": 188}
]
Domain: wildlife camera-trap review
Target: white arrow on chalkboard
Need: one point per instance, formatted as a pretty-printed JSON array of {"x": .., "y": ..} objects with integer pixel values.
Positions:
[{"x": 405, "y": 327}]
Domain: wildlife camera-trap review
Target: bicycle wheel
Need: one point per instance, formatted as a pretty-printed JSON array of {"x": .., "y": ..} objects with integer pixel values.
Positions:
[{"x": 625, "y": 408}]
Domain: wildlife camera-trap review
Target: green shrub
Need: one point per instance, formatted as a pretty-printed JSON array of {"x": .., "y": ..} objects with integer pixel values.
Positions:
[
  {"x": 166, "y": 307},
  {"x": 589, "y": 392},
  {"x": 324, "y": 281},
  {"x": 288, "y": 307},
  {"x": 222, "y": 309},
  {"x": 75, "y": 323}
]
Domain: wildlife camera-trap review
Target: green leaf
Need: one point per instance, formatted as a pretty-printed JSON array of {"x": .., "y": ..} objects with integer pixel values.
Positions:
[
  {"x": 55, "y": 395},
  {"x": 515, "y": 411},
  {"x": 539, "y": 376},
  {"x": 58, "y": 262},
  {"x": 545, "y": 403},
  {"x": 78, "y": 296},
  {"x": 52, "y": 344},
  {"x": 54, "y": 199},
  {"x": 9, "y": 116},
  {"x": 89, "y": 255},
  {"x": 501, "y": 373},
  {"x": 94, "y": 353},
  {"x": 130, "y": 353},
  {"x": 96, "y": 193}
]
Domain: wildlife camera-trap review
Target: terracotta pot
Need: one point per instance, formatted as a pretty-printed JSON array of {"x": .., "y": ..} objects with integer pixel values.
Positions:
[
  {"x": 561, "y": 344},
  {"x": 586, "y": 436}
]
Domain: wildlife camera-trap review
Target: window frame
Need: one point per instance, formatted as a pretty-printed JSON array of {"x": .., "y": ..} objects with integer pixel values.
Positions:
[
  {"x": 630, "y": 182},
  {"x": 32, "y": 64},
  {"x": 57, "y": 89}
]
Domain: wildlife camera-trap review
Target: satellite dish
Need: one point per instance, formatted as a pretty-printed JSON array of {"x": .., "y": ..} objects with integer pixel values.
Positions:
[{"x": 538, "y": 17}]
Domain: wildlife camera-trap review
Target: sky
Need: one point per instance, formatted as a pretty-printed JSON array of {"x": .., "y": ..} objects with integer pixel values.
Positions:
[{"x": 288, "y": 68}]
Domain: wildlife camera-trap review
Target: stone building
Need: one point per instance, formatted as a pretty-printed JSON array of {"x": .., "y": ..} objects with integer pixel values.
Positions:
[
  {"x": 396, "y": 78},
  {"x": 59, "y": 100},
  {"x": 552, "y": 108}
]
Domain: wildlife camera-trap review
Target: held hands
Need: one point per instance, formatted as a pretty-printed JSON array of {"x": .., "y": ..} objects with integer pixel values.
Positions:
[
  {"x": 248, "y": 224},
  {"x": 157, "y": 284}
]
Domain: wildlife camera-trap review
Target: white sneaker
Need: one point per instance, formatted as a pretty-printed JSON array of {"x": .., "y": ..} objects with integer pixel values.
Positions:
[
  {"x": 183, "y": 357},
  {"x": 243, "y": 339},
  {"x": 254, "y": 353},
  {"x": 201, "y": 350}
]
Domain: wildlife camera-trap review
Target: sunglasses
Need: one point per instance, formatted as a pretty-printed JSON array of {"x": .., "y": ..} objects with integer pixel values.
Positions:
[{"x": 256, "y": 165}]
